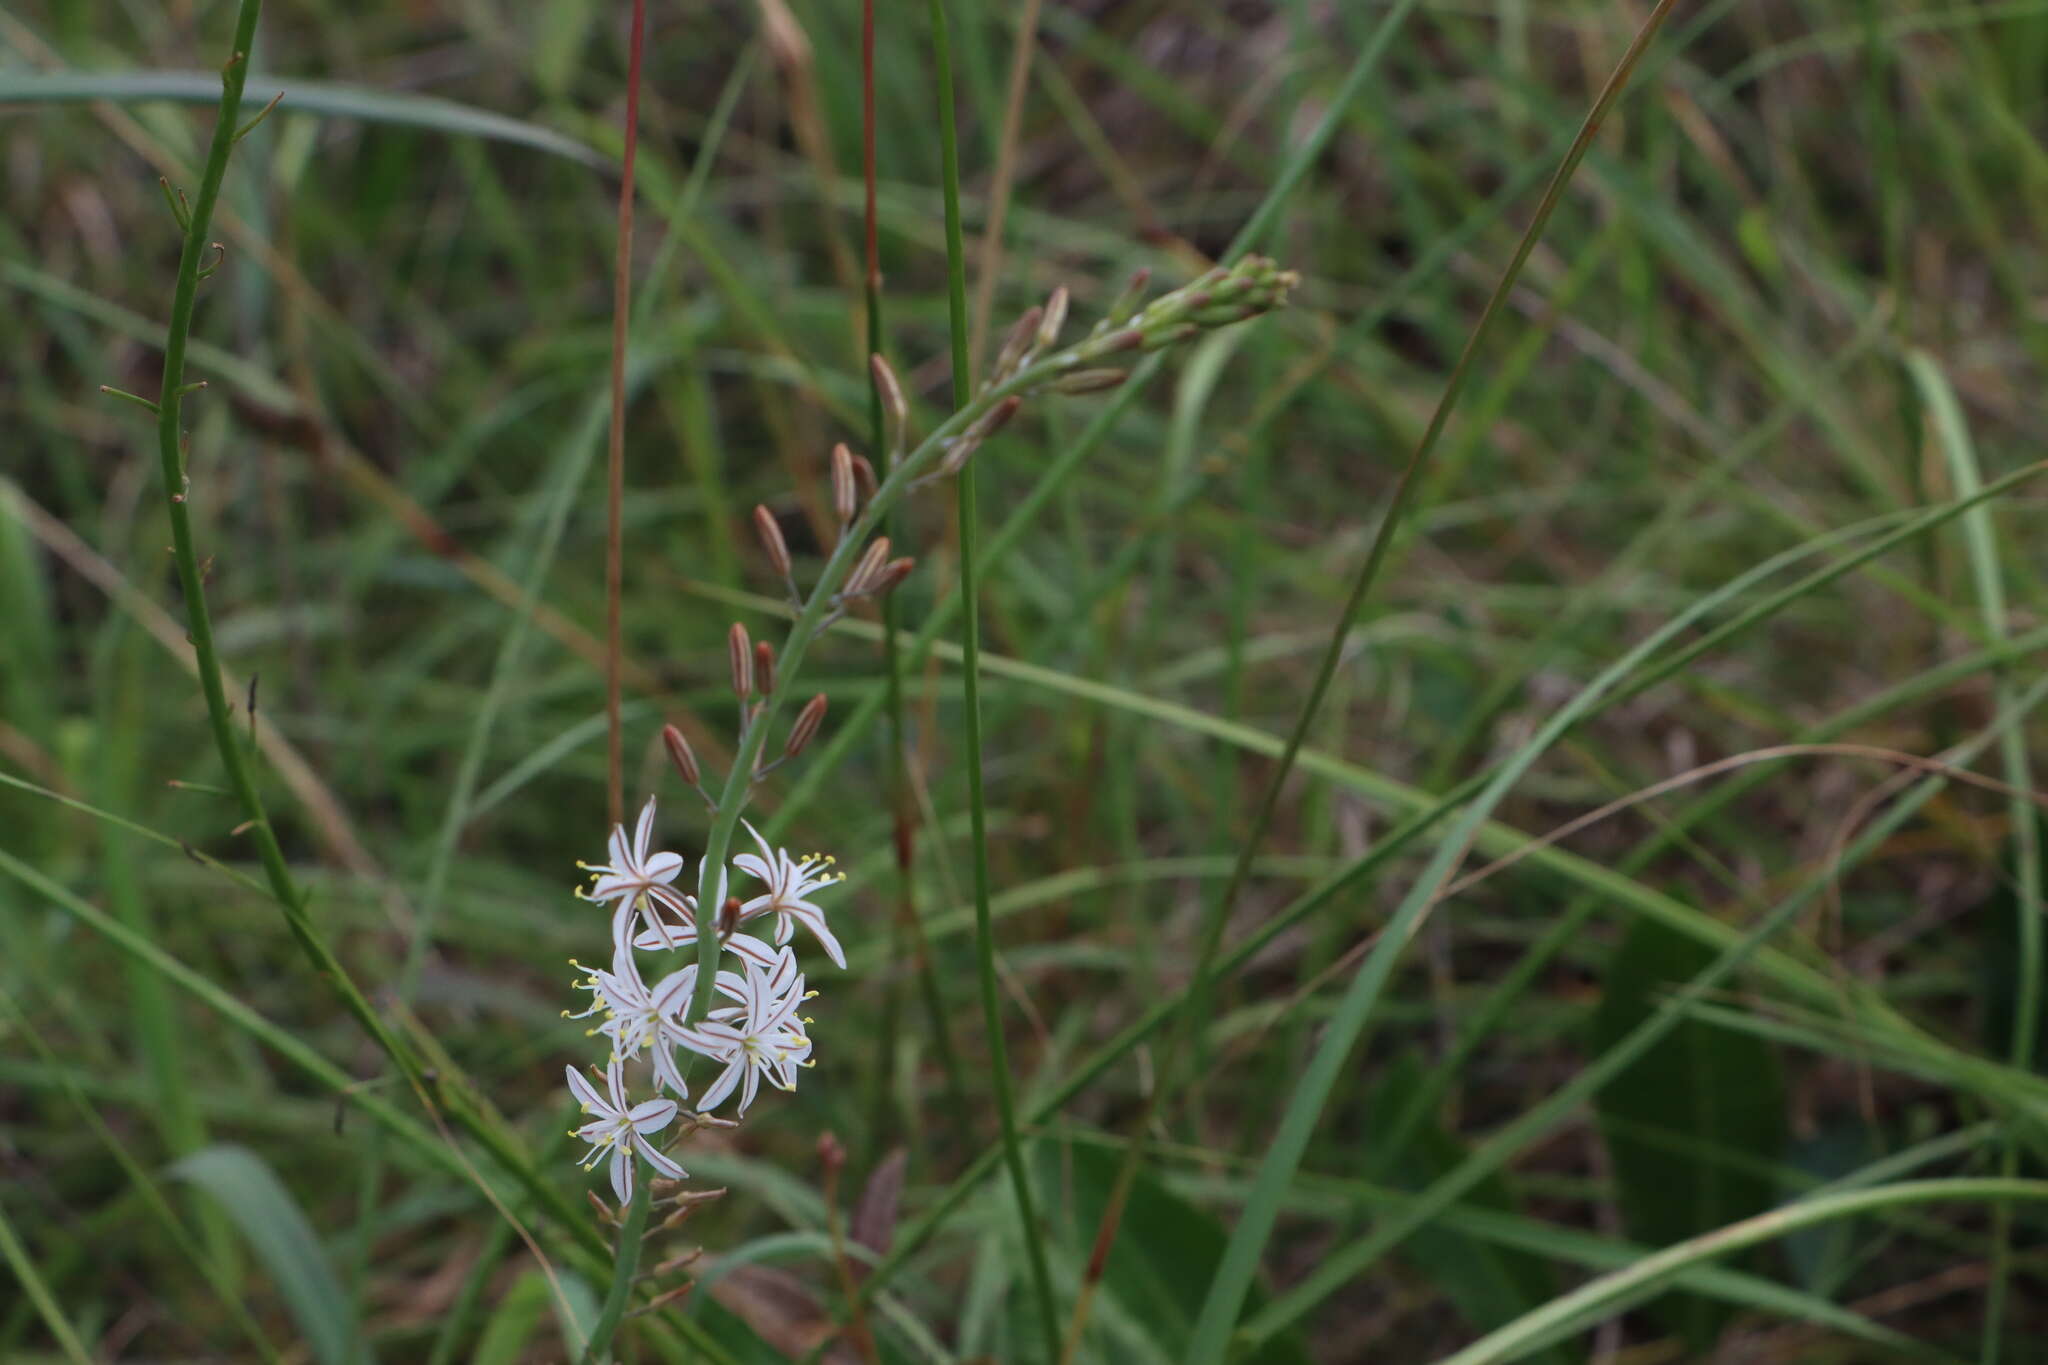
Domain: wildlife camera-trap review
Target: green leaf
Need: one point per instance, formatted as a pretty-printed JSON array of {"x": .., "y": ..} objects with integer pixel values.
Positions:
[
  {"x": 325, "y": 99},
  {"x": 1492, "y": 1285},
  {"x": 514, "y": 1322},
  {"x": 1693, "y": 1125},
  {"x": 1165, "y": 1254},
  {"x": 284, "y": 1242}
]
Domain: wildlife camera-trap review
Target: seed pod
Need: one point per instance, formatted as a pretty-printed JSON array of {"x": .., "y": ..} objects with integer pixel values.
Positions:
[
  {"x": 740, "y": 656},
  {"x": 1055, "y": 318},
  {"x": 1089, "y": 381},
  {"x": 844, "y": 500},
  {"x": 1016, "y": 345},
  {"x": 770, "y": 532},
  {"x": 764, "y": 666},
  {"x": 807, "y": 722},
  {"x": 681, "y": 754},
  {"x": 870, "y": 562}
]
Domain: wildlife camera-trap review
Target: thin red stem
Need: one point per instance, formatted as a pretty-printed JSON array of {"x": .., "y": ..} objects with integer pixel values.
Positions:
[{"x": 615, "y": 489}]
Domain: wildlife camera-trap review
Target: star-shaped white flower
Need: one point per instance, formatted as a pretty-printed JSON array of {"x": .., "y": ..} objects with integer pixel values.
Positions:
[
  {"x": 790, "y": 882},
  {"x": 620, "y": 1129},
  {"x": 638, "y": 1016},
  {"x": 637, "y": 877},
  {"x": 764, "y": 1036}
]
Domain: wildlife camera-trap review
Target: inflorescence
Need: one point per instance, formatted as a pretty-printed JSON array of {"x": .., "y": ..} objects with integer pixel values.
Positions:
[{"x": 747, "y": 1018}]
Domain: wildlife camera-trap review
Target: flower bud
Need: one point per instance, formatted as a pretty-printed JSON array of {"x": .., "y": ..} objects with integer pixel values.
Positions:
[
  {"x": 764, "y": 666},
  {"x": 770, "y": 532},
  {"x": 807, "y": 722},
  {"x": 831, "y": 1152},
  {"x": 970, "y": 440},
  {"x": 728, "y": 916},
  {"x": 892, "y": 573},
  {"x": 892, "y": 399},
  {"x": 680, "y": 753},
  {"x": 1126, "y": 305},
  {"x": 864, "y": 477},
  {"x": 1055, "y": 318},
  {"x": 1016, "y": 345},
  {"x": 844, "y": 495},
  {"x": 859, "y": 581},
  {"x": 1171, "y": 336},
  {"x": 1089, "y": 381},
  {"x": 740, "y": 656}
]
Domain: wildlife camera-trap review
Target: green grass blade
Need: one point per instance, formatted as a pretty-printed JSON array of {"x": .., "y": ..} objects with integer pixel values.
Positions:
[
  {"x": 1588, "y": 1303},
  {"x": 324, "y": 99},
  {"x": 45, "y": 1303},
  {"x": 284, "y": 1242},
  {"x": 1046, "y": 1313}
]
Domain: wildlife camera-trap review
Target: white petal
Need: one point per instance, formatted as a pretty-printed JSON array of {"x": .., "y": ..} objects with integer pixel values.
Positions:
[
  {"x": 622, "y": 1174},
  {"x": 643, "y": 833},
  {"x": 721, "y": 1087},
  {"x": 622, "y": 860},
  {"x": 651, "y": 1116},
  {"x": 658, "y": 1159},
  {"x": 816, "y": 924},
  {"x": 755, "y": 867},
  {"x": 663, "y": 867},
  {"x": 585, "y": 1094},
  {"x": 749, "y": 949},
  {"x": 749, "y": 1090},
  {"x": 615, "y": 1078},
  {"x": 672, "y": 992}
]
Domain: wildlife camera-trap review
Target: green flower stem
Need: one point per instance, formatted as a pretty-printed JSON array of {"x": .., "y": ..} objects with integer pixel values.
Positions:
[
  {"x": 170, "y": 404},
  {"x": 624, "y": 1269}
]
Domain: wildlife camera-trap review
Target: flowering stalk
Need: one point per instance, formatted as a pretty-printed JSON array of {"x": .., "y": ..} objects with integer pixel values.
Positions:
[
  {"x": 758, "y": 1032},
  {"x": 1222, "y": 296}
]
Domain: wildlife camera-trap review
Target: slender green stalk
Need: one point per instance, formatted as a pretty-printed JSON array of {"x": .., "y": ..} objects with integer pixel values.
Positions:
[
  {"x": 970, "y": 673},
  {"x": 1611, "y": 1292},
  {"x": 907, "y": 931},
  {"x": 615, "y": 434},
  {"x": 625, "y": 1268}
]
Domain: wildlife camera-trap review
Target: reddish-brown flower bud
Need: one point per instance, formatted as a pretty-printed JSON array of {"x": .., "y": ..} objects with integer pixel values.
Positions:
[
  {"x": 807, "y": 722},
  {"x": 764, "y": 666},
  {"x": 680, "y": 753},
  {"x": 740, "y": 656},
  {"x": 770, "y": 532},
  {"x": 845, "y": 501}
]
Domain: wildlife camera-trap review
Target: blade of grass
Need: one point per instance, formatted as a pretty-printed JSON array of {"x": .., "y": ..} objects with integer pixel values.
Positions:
[
  {"x": 322, "y": 98},
  {"x": 1586, "y": 1304},
  {"x": 277, "y": 1230},
  {"x": 52, "y": 1313},
  {"x": 1339, "y": 1266},
  {"x": 1980, "y": 541},
  {"x": 1046, "y": 1313}
]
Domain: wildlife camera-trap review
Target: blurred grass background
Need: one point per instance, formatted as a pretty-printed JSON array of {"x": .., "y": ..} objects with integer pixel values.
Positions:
[{"x": 1795, "y": 288}]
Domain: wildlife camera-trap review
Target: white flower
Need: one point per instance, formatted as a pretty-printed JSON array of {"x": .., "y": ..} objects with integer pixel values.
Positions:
[
  {"x": 790, "y": 881},
  {"x": 619, "y": 1129},
  {"x": 638, "y": 1016},
  {"x": 762, "y": 1037},
  {"x": 637, "y": 878},
  {"x": 676, "y": 937}
]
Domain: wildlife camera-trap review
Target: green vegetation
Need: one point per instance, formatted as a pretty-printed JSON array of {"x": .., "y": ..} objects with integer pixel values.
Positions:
[{"x": 1484, "y": 814}]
